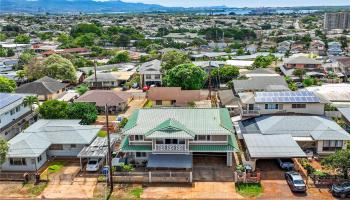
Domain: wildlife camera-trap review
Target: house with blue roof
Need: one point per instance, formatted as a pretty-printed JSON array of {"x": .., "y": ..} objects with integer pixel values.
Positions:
[
  {"x": 29, "y": 150},
  {"x": 171, "y": 137},
  {"x": 15, "y": 115}
]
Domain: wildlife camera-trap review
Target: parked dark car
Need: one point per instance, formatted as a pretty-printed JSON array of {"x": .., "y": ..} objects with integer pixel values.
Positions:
[
  {"x": 295, "y": 181},
  {"x": 286, "y": 163},
  {"x": 341, "y": 190}
]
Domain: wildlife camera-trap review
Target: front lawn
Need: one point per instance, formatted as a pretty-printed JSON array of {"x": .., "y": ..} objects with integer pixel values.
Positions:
[
  {"x": 102, "y": 133},
  {"x": 56, "y": 166},
  {"x": 249, "y": 189},
  {"x": 35, "y": 190}
]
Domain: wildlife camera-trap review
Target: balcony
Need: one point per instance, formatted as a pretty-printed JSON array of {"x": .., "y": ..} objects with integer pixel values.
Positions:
[{"x": 170, "y": 148}]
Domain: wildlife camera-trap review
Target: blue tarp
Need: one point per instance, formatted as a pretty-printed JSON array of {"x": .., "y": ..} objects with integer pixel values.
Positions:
[{"x": 182, "y": 161}]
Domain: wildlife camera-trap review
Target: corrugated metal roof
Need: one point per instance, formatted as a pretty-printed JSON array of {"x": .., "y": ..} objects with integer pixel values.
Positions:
[
  {"x": 272, "y": 146},
  {"x": 211, "y": 121},
  {"x": 318, "y": 127},
  {"x": 33, "y": 141},
  {"x": 98, "y": 148}
]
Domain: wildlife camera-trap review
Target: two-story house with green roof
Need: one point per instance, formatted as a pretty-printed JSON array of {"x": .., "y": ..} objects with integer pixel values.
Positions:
[{"x": 170, "y": 137}]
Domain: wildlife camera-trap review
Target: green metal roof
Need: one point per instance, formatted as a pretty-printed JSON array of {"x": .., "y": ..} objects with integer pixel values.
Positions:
[
  {"x": 199, "y": 121},
  {"x": 125, "y": 147},
  {"x": 170, "y": 128}
]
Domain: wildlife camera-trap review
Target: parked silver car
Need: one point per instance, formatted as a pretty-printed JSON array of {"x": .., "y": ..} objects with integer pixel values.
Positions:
[{"x": 295, "y": 181}]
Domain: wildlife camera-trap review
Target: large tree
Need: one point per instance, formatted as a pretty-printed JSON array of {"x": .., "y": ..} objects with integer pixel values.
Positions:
[
  {"x": 339, "y": 160},
  {"x": 87, "y": 112},
  {"x": 22, "y": 39},
  {"x": 121, "y": 56},
  {"x": 173, "y": 58},
  {"x": 187, "y": 76},
  {"x": 53, "y": 109},
  {"x": 225, "y": 73},
  {"x": 54, "y": 66},
  {"x": 7, "y": 85}
]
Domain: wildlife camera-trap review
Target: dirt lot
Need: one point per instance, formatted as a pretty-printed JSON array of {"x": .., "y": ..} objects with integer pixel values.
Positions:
[
  {"x": 200, "y": 190},
  {"x": 276, "y": 187},
  {"x": 64, "y": 184},
  {"x": 133, "y": 105}
]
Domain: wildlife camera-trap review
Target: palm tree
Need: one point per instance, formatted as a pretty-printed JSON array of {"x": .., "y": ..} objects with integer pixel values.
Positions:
[
  {"x": 30, "y": 100},
  {"x": 21, "y": 74}
]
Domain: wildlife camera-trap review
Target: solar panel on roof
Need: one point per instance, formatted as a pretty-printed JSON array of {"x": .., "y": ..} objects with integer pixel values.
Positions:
[
  {"x": 7, "y": 99},
  {"x": 298, "y": 96}
]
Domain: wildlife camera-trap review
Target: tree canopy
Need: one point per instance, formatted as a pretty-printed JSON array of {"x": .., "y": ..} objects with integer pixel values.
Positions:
[
  {"x": 22, "y": 39},
  {"x": 173, "y": 58},
  {"x": 87, "y": 112},
  {"x": 187, "y": 76},
  {"x": 7, "y": 85},
  {"x": 263, "y": 61},
  {"x": 226, "y": 73},
  {"x": 4, "y": 147},
  {"x": 338, "y": 160},
  {"x": 54, "y": 66},
  {"x": 53, "y": 109},
  {"x": 121, "y": 56}
]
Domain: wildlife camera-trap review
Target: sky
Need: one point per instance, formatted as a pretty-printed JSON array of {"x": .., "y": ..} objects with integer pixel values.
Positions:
[{"x": 244, "y": 3}]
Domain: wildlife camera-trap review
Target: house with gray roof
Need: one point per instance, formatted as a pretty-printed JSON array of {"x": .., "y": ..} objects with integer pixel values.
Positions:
[
  {"x": 276, "y": 136},
  {"x": 30, "y": 149},
  {"x": 297, "y": 102},
  {"x": 260, "y": 83},
  {"x": 46, "y": 88},
  {"x": 178, "y": 133},
  {"x": 15, "y": 115},
  {"x": 150, "y": 73},
  {"x": 102, "y": 81}
]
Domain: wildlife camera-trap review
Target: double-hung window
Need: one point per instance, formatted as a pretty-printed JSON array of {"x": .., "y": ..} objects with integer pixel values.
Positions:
[{"x": 332, "y": 145}]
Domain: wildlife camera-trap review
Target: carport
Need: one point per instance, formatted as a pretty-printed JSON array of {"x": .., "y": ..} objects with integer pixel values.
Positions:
[
  {"x": 271, "y": 146},
  {"x": 170, "y": 161},
  {"x": 97, "y": 149}
]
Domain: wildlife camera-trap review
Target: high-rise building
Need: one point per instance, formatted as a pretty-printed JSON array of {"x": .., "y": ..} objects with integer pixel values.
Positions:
[{"x": 340, "y": 20}]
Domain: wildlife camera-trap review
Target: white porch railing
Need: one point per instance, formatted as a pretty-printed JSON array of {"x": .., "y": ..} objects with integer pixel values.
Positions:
[{"x": 170, "y": 147}]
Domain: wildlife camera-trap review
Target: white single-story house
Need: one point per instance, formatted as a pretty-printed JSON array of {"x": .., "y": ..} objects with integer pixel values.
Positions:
[{"x": 29, "y": 150}]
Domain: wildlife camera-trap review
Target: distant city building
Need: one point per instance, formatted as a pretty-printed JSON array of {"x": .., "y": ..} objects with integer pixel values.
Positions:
[{"x": 340, "y": 20}]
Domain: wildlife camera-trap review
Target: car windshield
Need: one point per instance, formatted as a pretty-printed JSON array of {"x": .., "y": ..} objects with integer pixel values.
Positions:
[
  {"x": 92, "y": 162},
  {"x": 299, "y": 182}
]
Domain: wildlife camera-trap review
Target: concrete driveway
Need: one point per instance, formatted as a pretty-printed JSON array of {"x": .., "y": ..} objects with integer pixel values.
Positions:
[
  {"x": 200, "y": 190},
  {"x": 133, "y": 105},
  {"x": 211, "y": 168},
  {"x": 275, "y": 186}
]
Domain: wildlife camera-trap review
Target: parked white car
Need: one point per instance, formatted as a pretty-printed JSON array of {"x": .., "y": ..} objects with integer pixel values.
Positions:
[{"x": 93, "y": 164}]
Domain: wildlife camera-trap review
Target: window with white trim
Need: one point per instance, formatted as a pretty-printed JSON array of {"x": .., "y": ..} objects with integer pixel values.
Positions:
[
  {"x": 138, "y": 137},
  {"x": 18, "y": 161},
  {"x": 332, "y": 145},
  {"x": 202, "y": 137},
  {"x": 271, "y": 106}
]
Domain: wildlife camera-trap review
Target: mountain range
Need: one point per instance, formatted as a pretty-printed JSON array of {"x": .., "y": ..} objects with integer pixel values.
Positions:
[{"x": 75, "y": 6}]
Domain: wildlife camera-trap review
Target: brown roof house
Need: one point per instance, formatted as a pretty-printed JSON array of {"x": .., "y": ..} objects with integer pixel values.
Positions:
[
  {"x": 173, "y": 96},
  {"x": 46, "y": 88},
  {"x": 117, "y": 101}
]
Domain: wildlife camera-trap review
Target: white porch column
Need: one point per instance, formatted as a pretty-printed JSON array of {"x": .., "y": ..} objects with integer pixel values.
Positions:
[{"x": 229, "y": 159}]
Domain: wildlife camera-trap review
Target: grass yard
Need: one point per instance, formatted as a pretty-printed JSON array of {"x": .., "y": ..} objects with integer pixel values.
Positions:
[
  {"x": 56, "y": 166},
  {"x": 35, "y": 190},
  {"x": 149, "y": 104},
  {"x": 249, "y": 189},
  {"x": 102, "y": 133},
  {"x": 127, "y": 192}
]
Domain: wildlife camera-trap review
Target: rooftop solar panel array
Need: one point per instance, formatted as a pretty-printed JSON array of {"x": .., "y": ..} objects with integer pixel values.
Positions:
[
  {"x": 286, "y": 97},
  {"x": 7, "y": 99}
]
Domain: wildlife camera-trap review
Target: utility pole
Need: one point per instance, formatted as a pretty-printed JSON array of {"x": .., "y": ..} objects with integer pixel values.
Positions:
[
  {"x": 209, "y": 81},
  {"x": 109, "y": 153}
]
